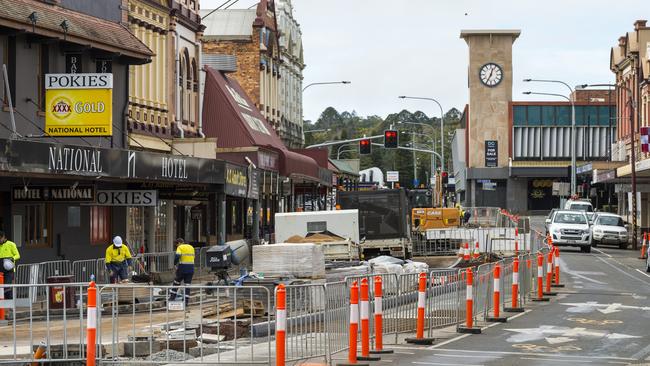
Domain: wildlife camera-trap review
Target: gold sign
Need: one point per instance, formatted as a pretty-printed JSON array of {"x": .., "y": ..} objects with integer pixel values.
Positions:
[{"x": 79, "y": 104}]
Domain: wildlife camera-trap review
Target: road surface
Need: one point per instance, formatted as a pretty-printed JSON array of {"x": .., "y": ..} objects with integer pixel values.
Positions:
[{"x": 602, "y": 317}]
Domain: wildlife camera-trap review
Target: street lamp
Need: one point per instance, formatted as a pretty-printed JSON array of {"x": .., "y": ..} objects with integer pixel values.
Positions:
[
  {"x": 326, "y": 83},
  {"x": 433, "y": 143},
  {"x": 573, "y": 123},
  {"x": 442, "y": 119},
  {"x": 633, "y": 105}
]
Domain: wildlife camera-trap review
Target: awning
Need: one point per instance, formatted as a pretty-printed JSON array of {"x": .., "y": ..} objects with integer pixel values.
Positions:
[
  {"x": 82, "y": 29},
  {"x": 231, "y": 117}
]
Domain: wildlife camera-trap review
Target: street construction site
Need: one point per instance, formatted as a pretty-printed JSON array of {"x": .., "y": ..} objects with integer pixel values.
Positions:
[{"x": 334, "y": 282}]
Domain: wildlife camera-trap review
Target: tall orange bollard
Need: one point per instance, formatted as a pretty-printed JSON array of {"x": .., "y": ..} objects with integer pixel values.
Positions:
[
  {"x": 469, "y": 306},
  {"x": 2, "y": 296},
  {"x": 515, "y": 289},
  {"x": 556, "y": 262},
  {"x": 422, "y": 301},
  {"x": 516, "y": 240},
  {"x": 549, "y": 273},
  {"x": 91, "y": 325},
  {"x": 354, "y": 326},
  {"x": 379, "y": 318},
  {"x": 540, "y": 279},
  {"x": 365, "y": 324},
  {"x": 496, "y": 296},
  {"x": 280, "y": 325}
]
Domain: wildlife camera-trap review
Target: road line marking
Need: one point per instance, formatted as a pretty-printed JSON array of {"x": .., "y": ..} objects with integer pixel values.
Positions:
[
  {"x": 467, "y": 335},
  {"x": 643, "y": 273},
  {"x": 463, "y": 356},
  {"x": 403, "y": 353},
  {"x": 601, "y": 252},
  {"x": 642, "y": 353},
  {"x": 535, "y": 354},
  {"x": 554, "y": 360},
  {"x": 442, "y": 364},
  {"x": 620, "y": 270},
  {"x": 585, "y": 277},
  {"x": 618, "y": 363}
]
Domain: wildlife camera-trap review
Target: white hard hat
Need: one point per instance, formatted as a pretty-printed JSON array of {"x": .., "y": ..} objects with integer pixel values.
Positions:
[
  {"x": 117, "y": 241},
  {"x": 8, "y": 264}
]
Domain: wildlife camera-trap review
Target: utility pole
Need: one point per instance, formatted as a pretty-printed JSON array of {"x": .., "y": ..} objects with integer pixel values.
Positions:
[{"x": 633, "y": 168}]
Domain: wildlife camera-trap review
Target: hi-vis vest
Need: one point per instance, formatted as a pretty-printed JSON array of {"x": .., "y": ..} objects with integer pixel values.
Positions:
[{"x": 186, "y": 253}]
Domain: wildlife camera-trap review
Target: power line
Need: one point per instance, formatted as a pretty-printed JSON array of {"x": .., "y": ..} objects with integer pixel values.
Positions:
[{"x": 217, "y": 8}]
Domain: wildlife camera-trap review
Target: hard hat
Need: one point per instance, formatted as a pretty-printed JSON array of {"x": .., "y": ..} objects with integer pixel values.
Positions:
[
  {"x": 8, "y": 264},
  {"x": 117, "y": 241}
]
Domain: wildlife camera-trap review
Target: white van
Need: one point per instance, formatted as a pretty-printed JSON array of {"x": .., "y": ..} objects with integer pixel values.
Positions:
[{"x": 578, "y": 205}]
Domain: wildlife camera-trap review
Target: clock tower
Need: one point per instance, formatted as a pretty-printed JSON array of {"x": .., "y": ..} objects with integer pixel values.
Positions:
[{"x": 487, "y": 130}]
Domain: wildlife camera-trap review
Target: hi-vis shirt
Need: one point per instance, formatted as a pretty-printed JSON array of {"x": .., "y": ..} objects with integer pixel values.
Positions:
[
  {"x": 117, "y": 255},
  {"x": 185, "y": 254}
]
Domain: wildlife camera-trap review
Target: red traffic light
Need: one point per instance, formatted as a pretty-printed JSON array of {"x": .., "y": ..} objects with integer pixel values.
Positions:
[
  {"x": 365, "y": 147},
  {"x": 390, "y": 139}
]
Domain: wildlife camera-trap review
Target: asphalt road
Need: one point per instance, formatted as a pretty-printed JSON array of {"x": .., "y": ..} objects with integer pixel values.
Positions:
[{"x": 601, "y": 317}]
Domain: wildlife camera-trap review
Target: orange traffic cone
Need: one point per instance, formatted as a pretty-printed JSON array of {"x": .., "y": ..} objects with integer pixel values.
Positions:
[
  {"x": 644, "y": 247},
  {"x": 477, "y": 251}
]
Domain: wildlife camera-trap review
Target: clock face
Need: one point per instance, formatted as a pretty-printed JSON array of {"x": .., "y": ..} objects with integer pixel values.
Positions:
[{"x": 491, "y": 74}]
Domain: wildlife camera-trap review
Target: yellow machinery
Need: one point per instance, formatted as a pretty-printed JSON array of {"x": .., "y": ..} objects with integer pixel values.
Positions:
[
  {"x": 424, "y": 216},
  {"x": 423, "y": 219}
]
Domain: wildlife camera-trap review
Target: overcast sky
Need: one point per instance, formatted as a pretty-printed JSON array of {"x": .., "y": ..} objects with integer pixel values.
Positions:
[{"x": 389, "y": 48}]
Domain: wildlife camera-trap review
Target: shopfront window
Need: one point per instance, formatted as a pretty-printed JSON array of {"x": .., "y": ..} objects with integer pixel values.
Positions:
[
  {"x": 100, "y": 225},
  {"x": 161, "y": 217},
  {"x": 36, "y": 231},
  {"x": 135, "y": 227}
]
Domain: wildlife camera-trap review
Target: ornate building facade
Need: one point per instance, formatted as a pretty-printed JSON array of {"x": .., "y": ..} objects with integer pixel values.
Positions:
[
  {"x": 164, "y": 97},
  {"x": 291, "y": 67}
]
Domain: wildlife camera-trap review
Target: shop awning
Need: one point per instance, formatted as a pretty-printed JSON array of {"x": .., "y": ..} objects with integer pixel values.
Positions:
[
  {"x": 231, "y": 117},
  {"x": 82, "y": 29}
]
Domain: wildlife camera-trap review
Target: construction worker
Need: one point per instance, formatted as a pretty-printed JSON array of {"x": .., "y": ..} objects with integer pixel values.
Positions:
[
  {"x": 461, "y": 214},
  {"x": 184, "y": 262},
  {"x": 118, "y": 260},
  {"x": 8, "y": 256}
]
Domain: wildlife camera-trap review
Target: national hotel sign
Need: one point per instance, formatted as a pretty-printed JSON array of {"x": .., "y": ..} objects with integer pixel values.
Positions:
[{"x": 79, "y": 104}]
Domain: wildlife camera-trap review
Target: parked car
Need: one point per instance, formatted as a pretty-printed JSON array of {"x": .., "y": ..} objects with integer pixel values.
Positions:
[
  {"x": 571, "y": 228},
  {"x": 609, "y": 229}
]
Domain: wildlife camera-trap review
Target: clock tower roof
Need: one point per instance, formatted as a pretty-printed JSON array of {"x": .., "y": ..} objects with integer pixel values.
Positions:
[{"x": 465, "y": 33}]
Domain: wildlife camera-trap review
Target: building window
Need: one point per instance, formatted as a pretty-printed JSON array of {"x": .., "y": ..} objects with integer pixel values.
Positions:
[
  {"x": 100, "y": 225},
  {"x": 548, "y": 115},
  {"x": 37, "y": 224},
  {"x": 534, "y": 115},
  {"x": 564, "y": 115}
]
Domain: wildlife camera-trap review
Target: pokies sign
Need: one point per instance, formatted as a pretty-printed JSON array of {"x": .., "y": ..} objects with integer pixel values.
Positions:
[{"x": 79, "y": 104}]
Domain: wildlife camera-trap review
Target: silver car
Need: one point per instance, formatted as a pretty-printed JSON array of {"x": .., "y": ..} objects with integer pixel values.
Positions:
[{"x": 609, "y": 229}]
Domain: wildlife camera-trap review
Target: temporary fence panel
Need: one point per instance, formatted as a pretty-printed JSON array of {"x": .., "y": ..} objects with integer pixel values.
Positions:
[
  {"x": 221, "y": 325},
  {"x": 337, "y": 318},
  {"x": 306, "y": 334},
  {"x": 443, "y": 296},
  {"x": 84, "y": 270},
  {"x": 58, "y": 325}
]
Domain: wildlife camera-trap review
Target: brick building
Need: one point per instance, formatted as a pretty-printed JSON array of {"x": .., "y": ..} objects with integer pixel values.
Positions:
[{"x": 250, "y": 35}]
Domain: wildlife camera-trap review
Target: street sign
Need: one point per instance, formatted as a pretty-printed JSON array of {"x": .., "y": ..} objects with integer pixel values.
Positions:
[
  {"x": 491, "y": 153},
  {"x": 392, "y": 176}
]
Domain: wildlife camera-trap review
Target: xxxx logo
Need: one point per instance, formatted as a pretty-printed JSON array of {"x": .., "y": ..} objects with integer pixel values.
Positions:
[{"x": 61, "y": 108}]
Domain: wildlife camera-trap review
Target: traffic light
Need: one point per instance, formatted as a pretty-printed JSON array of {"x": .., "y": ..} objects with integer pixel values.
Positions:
[
  {"x": 445, "y": 177},
  {"x": 365, "y": 147},
  {"x": 390, "y": 139}
]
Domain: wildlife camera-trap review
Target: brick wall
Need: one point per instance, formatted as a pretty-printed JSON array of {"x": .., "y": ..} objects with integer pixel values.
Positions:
[{"x": 248, "y": 63}]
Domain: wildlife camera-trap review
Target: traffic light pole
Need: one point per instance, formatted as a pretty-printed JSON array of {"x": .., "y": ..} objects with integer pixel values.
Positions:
[{"x": 330, "y": 143}]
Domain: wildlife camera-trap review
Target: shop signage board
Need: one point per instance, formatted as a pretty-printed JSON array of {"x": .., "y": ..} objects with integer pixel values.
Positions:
[
  {"x": 242, "y": 181},
  {"x": 126, "y": 198},
  {"x": 491, "y": 154},
  {"x": 91, "y": 162},
  {"x": 392, "y": 176},
  {"x": 79, "y": 104},
  {"x": 71, "y": 193},
  {"x": 584, "y": 168}
]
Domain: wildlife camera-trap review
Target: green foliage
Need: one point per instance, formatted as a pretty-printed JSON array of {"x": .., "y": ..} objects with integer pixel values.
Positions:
[{"x": 348, "y": 125}]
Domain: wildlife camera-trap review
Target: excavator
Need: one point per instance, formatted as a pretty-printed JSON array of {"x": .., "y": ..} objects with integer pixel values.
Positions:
[{"x": 425, "y": 216}]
